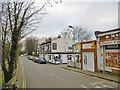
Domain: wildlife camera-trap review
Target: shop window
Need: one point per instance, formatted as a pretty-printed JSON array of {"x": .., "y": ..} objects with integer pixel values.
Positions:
[{"x": 69, "y": 57}]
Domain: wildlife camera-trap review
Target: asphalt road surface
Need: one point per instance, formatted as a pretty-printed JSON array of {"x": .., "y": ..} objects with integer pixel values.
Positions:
[
  {"x": 0, "y": 77},
  {"x": 53, "y": 76}
]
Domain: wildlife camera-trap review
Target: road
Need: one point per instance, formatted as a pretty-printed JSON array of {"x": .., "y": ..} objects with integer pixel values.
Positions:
[
  {"x": 0, "y": 77},
  {"x": 53, "y": 76}
]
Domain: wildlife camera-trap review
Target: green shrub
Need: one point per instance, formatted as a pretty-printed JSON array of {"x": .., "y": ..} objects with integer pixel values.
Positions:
[{"x": 35, "y": 55}]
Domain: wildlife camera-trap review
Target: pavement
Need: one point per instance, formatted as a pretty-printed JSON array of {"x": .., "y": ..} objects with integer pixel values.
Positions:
[
  {"x": 18, "y": 79},
  {"x": 21, "y": 78},
  {"x": 107, "y": 75}
]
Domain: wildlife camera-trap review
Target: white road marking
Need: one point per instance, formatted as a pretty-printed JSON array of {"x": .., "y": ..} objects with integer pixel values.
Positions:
[
  {"x": 100, "y": 85},
  {"x": 83, "y": 86},
  {"x": 97, "y": 87},
  {"x": 58, "y": 77},
  {"x": 107, "y": 86}
]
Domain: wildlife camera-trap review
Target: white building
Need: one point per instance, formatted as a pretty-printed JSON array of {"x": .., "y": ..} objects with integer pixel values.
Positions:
[{"x": 60, "y": 49}]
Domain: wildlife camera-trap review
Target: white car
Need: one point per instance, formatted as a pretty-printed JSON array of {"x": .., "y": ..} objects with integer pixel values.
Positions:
[
  {"x": 35, "y": 59},
  {"x": 30, "y": 57},
  {"x": 55, "y": 62}
]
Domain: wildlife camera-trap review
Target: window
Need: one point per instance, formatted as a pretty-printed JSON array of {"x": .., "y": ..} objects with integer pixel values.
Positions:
[
  {"x": 59, "y": 56},
  {"x": 49, "y": 57},
  {"x": 54, "y": 46},
  {"x": 69, "y": 57},
  {"x": 77, "y": 59},
  {"x": 85, "y": 59}
]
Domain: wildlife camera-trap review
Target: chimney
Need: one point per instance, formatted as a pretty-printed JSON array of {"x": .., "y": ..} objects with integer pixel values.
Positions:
[{"x": 59, "y": 36}]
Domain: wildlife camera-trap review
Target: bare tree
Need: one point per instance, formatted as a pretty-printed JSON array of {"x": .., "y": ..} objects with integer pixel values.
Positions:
[
  {"x": 31, "y": 44},
  {"x": 18, "y": 19},
  {"x": 78, "y": 33}
]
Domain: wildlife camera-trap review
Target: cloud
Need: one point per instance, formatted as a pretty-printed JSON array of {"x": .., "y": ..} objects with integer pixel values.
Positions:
[
  {"x": 91, "y": 15},
  {"x": 106, "y": 20}
]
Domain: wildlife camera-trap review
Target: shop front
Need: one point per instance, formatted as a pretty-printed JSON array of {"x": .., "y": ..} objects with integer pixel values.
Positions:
[
  {"x": 89, "y": 56},
  {"x": 109, "y": 43}
]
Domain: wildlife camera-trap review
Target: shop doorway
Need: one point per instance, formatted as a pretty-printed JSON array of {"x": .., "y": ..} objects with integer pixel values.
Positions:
[{"x": 88, "y": 61}]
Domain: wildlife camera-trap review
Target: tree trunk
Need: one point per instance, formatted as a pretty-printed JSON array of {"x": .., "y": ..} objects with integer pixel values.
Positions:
[
  {"x": 12, "y": 62},
  {"x": 6, "y": 79},
  {"x": 4, "y": 69}
]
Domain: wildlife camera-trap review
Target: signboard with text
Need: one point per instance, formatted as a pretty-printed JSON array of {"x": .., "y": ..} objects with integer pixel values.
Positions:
[{"x": 110, "y": 39}]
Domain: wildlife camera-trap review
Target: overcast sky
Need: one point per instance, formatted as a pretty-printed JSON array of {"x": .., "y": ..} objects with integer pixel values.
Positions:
[{"x": 91, "y": 15}]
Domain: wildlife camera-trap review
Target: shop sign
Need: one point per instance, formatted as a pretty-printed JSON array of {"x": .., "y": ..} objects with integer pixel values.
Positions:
[
  {"x": 110, "y": 42},
  {"x": 117, "y": 46},
  {"x": 78, "y": 46},
  {"x": 110, "y": 39}
]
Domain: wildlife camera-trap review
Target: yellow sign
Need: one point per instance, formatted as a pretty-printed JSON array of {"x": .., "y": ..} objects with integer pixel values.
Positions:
[
  {"x": 78, "y": 46},
  {"x": 93, "y": 45}
]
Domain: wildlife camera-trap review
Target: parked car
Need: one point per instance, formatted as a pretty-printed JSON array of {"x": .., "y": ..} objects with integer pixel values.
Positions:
[
  {"x": 42, "y": 60},
  {"x": 21, "y": 55},
  {"x": 35, "y": 59},
  {"x": 55, "y": 62},
  {"x": 30, "y": 57}
]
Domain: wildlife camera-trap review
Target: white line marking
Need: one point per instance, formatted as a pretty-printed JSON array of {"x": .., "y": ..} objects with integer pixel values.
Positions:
[
  {"x": 97, "y": 87},
  {"x": 94, "y": 83},
  {"x": 100, "y": 85},
  {"x": 107, "y": 86},
  {"x": 83, "y": 86},
  {"x": 58, "y": 77}
]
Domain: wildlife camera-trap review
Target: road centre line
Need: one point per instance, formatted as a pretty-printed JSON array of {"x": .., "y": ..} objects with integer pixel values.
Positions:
[{"x": 59, "y": 78}]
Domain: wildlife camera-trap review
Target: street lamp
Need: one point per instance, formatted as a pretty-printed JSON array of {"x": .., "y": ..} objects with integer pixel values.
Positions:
[{"x": 73, "y": 42}]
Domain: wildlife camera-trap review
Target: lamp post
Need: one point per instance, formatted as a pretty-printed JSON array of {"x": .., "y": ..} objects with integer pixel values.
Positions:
[{"x": 73, "y": 42}]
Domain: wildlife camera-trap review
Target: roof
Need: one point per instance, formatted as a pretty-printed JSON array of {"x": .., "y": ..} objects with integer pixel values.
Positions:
[
  {"x": 86, "y": 41},
  {"x": 45, "y": 42},
  {"x": 101, "y": 32}
]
